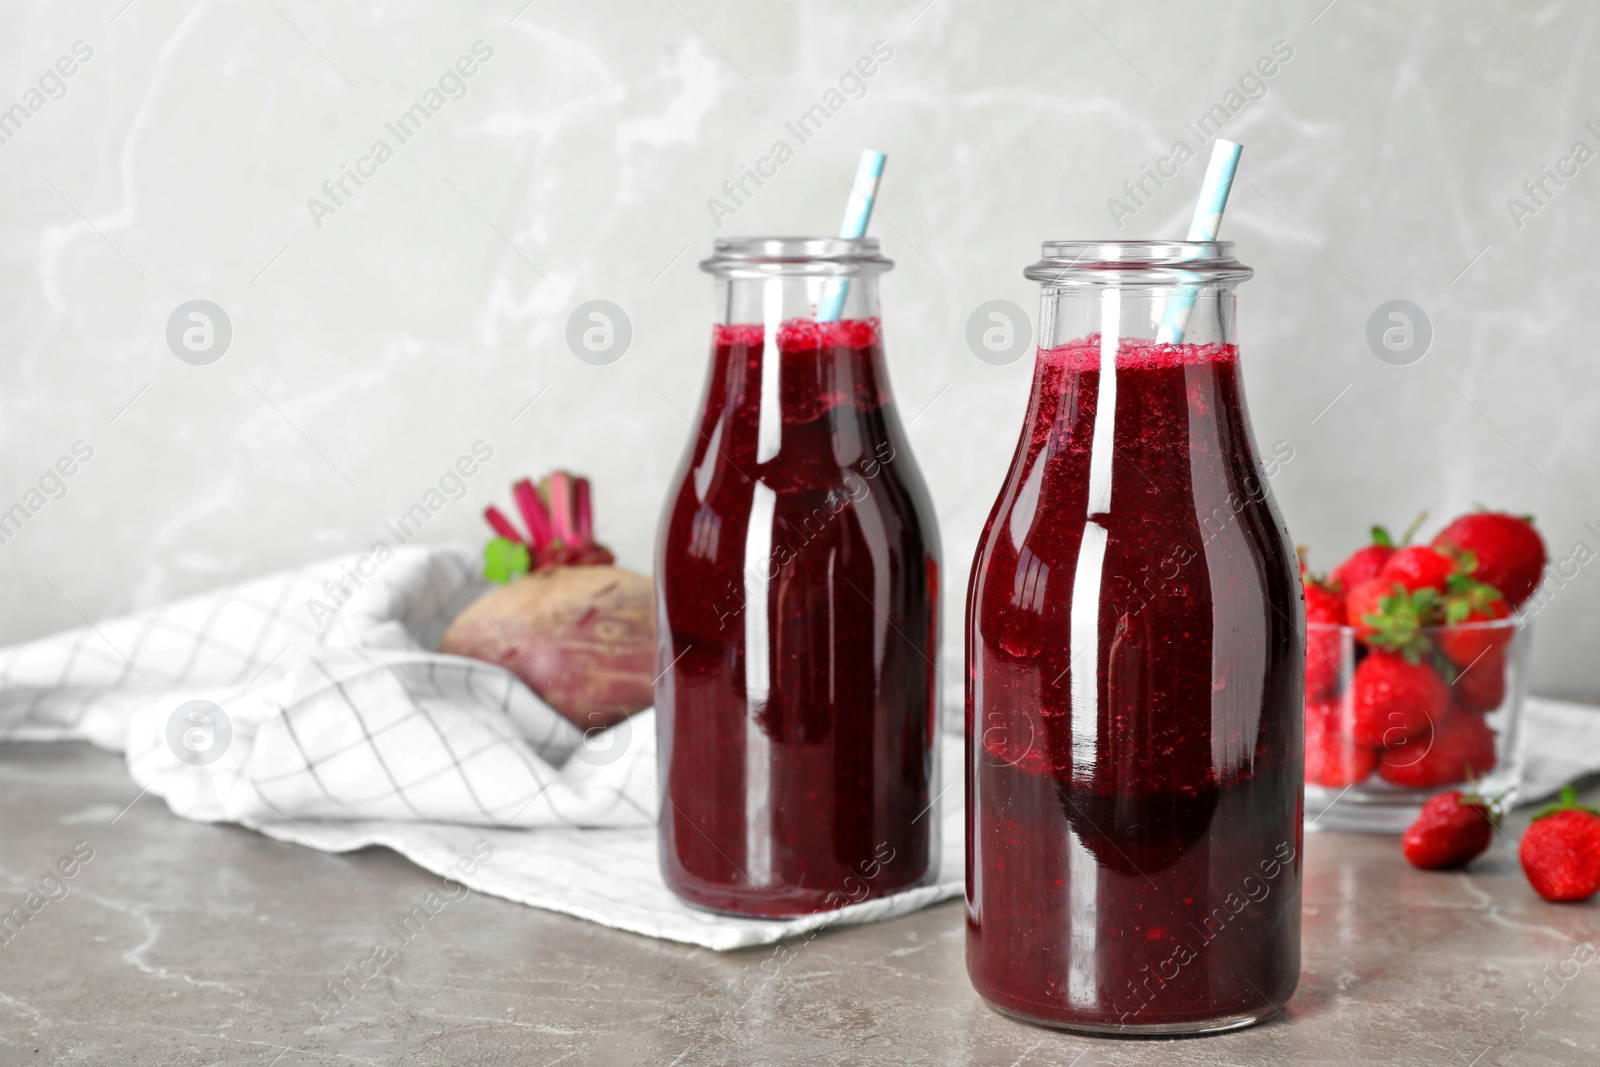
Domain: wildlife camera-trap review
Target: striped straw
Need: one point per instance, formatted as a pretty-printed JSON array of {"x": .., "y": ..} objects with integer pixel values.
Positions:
[
  {"x": 857, "y": 213},
  {"x": 1207, "y": 222}
]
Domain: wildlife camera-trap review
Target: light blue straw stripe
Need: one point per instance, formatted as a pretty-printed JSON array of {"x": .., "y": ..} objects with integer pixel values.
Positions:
[
  {"x": 857, "y": 213},
  {"x": 1214, "y": 191},
  {"x": 863, "y": 191},
  {"x": 1207, "y": 222}
]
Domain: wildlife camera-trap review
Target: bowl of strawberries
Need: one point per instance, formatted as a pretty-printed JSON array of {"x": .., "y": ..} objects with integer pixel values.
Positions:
[{"x": 1416, "y": 668}]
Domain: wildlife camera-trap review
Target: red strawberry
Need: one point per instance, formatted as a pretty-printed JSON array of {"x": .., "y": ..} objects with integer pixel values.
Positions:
[
  {"x": 1482, "y": 685},
  {"x": 1395, "y": 625},
  {"x": 1451, "y": 830},
  {"x": 1419, "y": 567},
  {"x": 1509, "y": 552},
  {"x": 1394, "y": 699},
  {"x": 1324, "y": 641},
  {"x": 1332, "y": 758},
  {"x": 1323, "y": 603},
  {"x": 1561, "y": 850},
  {"x": 1470, "y": 602},
  {"x": 1365, "y": 600},
  {"x": 1324, "y": 660},
  {"x": 1323, "y": 653},
  {"x": 1364, "y": 563},
  {"x": 1460, "y": 747}
]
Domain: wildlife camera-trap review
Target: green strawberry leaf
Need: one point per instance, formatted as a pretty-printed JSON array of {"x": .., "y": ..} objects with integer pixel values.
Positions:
[
  {"x": 505, "y": 559},
  {"x": 1444, "y": 667},
  {"x": 1460, "y": 584},
  {"x": 1380, "y": 536},
  {"x": 1401, "y": 616},
  {"x": 1466, "y": 596},
  {"x": 1568, "y": 802}
]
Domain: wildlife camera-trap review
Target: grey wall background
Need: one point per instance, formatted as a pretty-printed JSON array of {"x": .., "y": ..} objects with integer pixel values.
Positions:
[{"x": 371, "y": 351}]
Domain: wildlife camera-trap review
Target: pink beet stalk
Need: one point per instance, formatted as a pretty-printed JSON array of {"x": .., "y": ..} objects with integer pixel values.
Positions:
[
  {"x": 533, "y": 513},
  {"x": 585, "y": 516},
  {"x": 502, "y": 525},
  {"x": 560, "y": 517},
  {"x": 559, "y": 491}
]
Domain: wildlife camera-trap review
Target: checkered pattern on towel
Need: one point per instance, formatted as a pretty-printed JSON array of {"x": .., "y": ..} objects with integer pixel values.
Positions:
[{"x": 347, "y": 730}]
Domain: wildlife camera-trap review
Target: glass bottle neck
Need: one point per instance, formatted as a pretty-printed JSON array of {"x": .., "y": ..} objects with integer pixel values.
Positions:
[
  {"x": 1137, "y": 400},
  {"x": 770, "y": 301},
  {"x": 1138, "y": 316},
  {"x": 785, "y": 387}
]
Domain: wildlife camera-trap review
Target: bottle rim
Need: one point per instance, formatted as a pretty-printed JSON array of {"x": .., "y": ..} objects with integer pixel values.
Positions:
[
  {"x": 765, "y": 256},
  {"x": 1071, "y": 264}
]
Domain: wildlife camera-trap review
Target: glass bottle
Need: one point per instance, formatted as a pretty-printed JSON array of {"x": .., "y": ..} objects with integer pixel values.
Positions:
[
  {"x": 797, "y": 579},
  {"x": 1135, "y": 645}
]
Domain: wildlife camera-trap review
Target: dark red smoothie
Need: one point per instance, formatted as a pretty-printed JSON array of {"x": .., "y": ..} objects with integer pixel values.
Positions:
[
  {"x": 798, "y": 569},
  {"x": 1133, "y": 756}
]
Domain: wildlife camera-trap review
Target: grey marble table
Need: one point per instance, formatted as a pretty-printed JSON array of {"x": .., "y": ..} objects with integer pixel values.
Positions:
[{"x": 180, "y": 943}]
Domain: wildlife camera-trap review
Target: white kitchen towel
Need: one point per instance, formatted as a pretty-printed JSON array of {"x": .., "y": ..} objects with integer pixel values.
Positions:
[
  {"x": 1562, "y": 745},
  {"x": 311, "y": 706}
]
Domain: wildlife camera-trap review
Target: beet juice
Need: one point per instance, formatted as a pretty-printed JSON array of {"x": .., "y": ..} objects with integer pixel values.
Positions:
[
  {"x": 1134, "y": 660},
  {"x": 797, "y": 576}
]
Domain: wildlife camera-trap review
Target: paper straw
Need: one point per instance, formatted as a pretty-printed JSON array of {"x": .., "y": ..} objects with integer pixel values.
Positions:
[
  {"x": 857, "y": 213},
  {"x": 1214, "y": 191},
  {"x": 1205, "y": 225}
]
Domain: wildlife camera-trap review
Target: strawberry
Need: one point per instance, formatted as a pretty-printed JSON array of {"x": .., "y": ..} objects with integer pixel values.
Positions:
[
  {"x": 1396, "y": 623},
  {"x": 1324, "y": 656},
  {"x": 1364, "y": 563},
  {"x": 1333, "y": 760},
  {"x": 1481, "y": 685},
  {"x": 1324, "y": 651},
  {"x": 1323, "y": 603},
  {"x": 1419, "y": 567},
  {"x": 1364, "y": 601},
  {"x": 1451, "y": 830},
  {"x": 1561, "y": 851},
  {"x": 1508, "y": 552},
  {"x": 1470, "y": 601},
  {"x": 1459, "y": 748},
  {"x": 1393, "y": 699},
  {"x": 1324, "y": 644}
]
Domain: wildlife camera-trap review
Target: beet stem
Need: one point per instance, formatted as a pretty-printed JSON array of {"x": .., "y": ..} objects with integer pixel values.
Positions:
[
  {"x": 561, "y": 507},
  {"x": 502, "y": 525},
  {"x": 585, "y": 516},
  {"x": 533, "y": 513}
]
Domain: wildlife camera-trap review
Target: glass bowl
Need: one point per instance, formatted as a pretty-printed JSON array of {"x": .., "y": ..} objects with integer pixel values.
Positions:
[{"x": 1384, "y": 734}]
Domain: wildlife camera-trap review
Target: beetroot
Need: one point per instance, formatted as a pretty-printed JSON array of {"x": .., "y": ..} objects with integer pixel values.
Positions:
[
  {"x": 582, "y": 637},
  {"x": 578, "y": 631}
]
